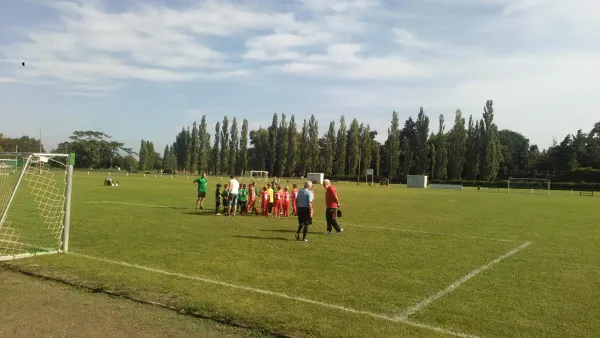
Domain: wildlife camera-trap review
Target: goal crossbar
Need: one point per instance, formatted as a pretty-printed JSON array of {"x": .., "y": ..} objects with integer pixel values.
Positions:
[
  {"x": 258, "y": 174},
  {"x": 35, "y": 203},
  {"x": 524, "y": 179}
]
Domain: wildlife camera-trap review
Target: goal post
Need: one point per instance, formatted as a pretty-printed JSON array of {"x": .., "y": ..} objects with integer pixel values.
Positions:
[
  {"x": 515, "y": 184},
  {"x": 259, "y": 175},
  {"x": 35, "y": 203}
]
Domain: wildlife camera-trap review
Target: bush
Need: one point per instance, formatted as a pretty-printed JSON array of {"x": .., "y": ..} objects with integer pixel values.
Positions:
[
  {"x": 538, "y": 185},
  {"x": 581, "y": 175}
]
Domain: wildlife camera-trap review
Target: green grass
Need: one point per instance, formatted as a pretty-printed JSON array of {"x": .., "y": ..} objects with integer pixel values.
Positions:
[{"x": 399, "y": 247}]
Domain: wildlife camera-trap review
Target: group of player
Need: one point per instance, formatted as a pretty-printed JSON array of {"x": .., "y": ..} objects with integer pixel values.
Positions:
[{"x": 273, "y": 200}]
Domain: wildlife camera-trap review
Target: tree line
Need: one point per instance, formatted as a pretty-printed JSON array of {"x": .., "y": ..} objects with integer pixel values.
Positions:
[
  {"x": 473, "y": 149},
  {"x": 24, "y": 144}
]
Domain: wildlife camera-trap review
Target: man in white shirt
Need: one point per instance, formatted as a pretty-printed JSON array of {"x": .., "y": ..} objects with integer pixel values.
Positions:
[{"x": 234, "y": 189}]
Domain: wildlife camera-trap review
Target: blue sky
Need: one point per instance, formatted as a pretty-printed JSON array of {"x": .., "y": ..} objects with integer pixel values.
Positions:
[{"x": 143, "y": 69}]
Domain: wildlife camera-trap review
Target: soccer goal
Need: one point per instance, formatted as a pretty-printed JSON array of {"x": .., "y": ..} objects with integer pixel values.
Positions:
[
  {"x": 35, "y": 204},
  {"x": 530, "y": 185},
  {"x": 258, "y": 175}
]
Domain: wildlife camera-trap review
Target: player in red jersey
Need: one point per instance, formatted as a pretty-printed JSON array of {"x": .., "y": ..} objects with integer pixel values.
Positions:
[
  {"x": 286, "y": 202},
  {"x": 278, "y": 203},
  {"x": 266, "y": 198},
  {"x": 295, "y": 200},
  {"x": 252, "y": 199}
]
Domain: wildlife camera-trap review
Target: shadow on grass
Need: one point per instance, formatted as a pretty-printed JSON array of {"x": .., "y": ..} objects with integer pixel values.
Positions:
[
  {"x": 282, "y": 230},
  {"x": 289, "y": 231},
  {"x": 207, "y": 212},
  {"x": 201, "y": 213},
  {"x": 265, "y": 238}
]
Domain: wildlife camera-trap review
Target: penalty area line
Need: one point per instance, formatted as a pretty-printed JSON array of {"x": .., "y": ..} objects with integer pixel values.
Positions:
[
  {"x": 419, "y": 306},
  {"x": 280, "y": 295}
]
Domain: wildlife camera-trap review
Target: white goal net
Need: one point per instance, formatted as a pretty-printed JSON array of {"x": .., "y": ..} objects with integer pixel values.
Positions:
[
  {"x": 257, "y": 175},
  {"x": 529, "y": 185},
  {"x": 35, "y": 194}
]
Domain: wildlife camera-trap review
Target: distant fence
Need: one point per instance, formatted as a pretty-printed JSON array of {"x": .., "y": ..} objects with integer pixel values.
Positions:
[{"x": 446, "y": 186}]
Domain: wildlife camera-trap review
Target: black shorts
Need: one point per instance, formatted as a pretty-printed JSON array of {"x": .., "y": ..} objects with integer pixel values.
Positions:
[
  {"x": 304, "y": 216},
  {"x": 201, "y": 194}
]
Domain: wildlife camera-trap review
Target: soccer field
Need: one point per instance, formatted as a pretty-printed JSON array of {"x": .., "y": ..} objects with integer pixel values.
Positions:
[{"x": 410, "y": 262}]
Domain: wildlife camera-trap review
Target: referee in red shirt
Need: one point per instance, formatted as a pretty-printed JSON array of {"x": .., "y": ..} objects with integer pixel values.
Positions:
[{"x": 332, "y": 203}]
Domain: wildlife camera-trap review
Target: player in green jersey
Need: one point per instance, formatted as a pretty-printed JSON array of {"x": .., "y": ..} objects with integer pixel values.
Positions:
[
  {"x": 201, "y": 182},
  {"x": 243, "y": 198}
]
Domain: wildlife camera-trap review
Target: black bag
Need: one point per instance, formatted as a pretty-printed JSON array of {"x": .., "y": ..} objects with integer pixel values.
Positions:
[{"x": 339, "y": 213}]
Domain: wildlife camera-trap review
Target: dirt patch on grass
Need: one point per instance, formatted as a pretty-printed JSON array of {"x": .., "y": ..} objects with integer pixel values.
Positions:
[{"x": 33, "y": 307}]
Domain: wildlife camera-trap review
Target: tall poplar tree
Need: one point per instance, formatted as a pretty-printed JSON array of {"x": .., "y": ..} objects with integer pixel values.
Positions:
[
  {"x": 272, "y": 154},
  {"x": 313, "y": 145},
  {"x": 304, "y": 139},
  {"x": 408, "y": 155},
  {"x": 188, "y": 150},
  {"x": 472, "y": 157},
  {"x": 366, "y": 149},
  {"x": 341, "y": 148},
  {"x": 441, "y": 152},
  {"x": 282, "y": 147},
  {"x": 457, "y": 147},
  {"x": 143, "y": 155},
  {"x": 393, "y": 146},
  {"x": 195, "y": 149},
  {"x": 408, "y": 152},
  {"x": 421, "y": 151},
  {"x": 204, "y": 143},
  {"x": 432, "y": 156},
  {"x": 353, "y": 148},
  {"x": 225, "y": 145},
  {"x": 233, "y": 147},
  {"x": 181, "y": 146},
  {"x": 166, "y": 158},
  {"x": 482, "y": 148},
  {"x": 491, "y": 160},
  {"x": 292, "y": 153},
  {"x": 329, "y": 151},
  {"x": 243, "y": 155},
  {"x": 216, "y": 158},
  {"x": 376, "y": 157}
]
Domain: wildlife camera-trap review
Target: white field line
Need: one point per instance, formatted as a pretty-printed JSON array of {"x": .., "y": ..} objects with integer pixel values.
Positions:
[
  {"x": 351, "y": 224},
  {"x": 281, "y": 295},
  {"x": 417, "y": 307}
]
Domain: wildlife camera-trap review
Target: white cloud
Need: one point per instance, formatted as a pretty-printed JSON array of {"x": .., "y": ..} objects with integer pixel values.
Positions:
[
  {"x": 88, "y": 94},
  {"x": 8, "y": 80},
  {"x": 539, "y": 95},
  {"x": 345, "y": 61},
  {"x": 92, "y": 45},
  {"x": 403, "y": 37},
  {"x": 339, "y": 5},
  {"x": 516, "y": 6},
  {"x": 537, "y": 59},
  {"x": 298, "y": 67}
]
